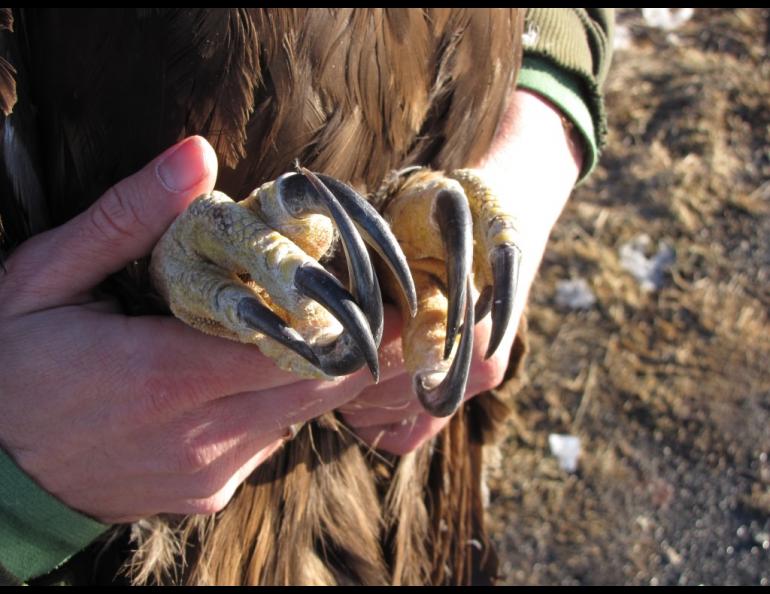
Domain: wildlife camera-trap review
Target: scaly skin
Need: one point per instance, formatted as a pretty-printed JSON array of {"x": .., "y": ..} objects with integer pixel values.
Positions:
[
  {"x": 249, "y": 271},
  {"x": 449, "y": 227},
  {"x": 492, "y": 225},
  {"x": 218, "y": 250},
  {"x": 410, "y": 212},
  {"x": 410, "y": 207}
]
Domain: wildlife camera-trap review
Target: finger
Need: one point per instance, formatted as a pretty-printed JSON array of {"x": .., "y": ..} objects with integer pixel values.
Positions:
[
  {"x": 298, "y": 402},
  {"x": 207, "y": 490},
  {"x": 183, "y": 368},
  {"x": 488, "y": 373},
  {"x": 192, "y": 367},
  {"x": 223, "y": 496},
  {"x": 383, "y": 404},
  {"x": 392, "y": 402},
  {"x": 405, "y": 436},
  {"x": 54, "y": 267}
]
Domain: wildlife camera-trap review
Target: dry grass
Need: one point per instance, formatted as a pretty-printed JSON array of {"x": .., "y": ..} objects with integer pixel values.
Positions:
[{"x": 669, "y": 390}]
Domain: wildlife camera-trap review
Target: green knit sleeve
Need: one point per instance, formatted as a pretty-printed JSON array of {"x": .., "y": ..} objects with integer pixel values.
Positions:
[
  {"x": 37, "y": 532},
  {"x": 567, "y": 52}
]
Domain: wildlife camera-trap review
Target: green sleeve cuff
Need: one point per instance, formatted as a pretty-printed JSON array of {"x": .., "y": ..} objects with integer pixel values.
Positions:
[
  {"x": 37, "y": 531},
  {"x": 564, "y": 91},
  {"x": 567, "y": 53}
]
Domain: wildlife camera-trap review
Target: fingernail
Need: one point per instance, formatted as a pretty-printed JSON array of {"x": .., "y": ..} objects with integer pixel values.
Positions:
[{"x": 184, "y": 168}]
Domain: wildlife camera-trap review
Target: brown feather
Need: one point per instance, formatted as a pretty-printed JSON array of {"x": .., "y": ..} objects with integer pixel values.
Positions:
[
  {"x": 7, "y": 71},
  {"x": 7, "y": 87},
  {"x": 211, "y": 71},
  {"x": 407, "y": 521},
  {"x": 23, "y": 205},
  {"x": 6, "y": 19}
]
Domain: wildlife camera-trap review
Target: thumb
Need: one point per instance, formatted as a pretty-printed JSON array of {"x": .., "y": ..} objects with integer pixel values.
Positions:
[{"x": 123, "y": 225}]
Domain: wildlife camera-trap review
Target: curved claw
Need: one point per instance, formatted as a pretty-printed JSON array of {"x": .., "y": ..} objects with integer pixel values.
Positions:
[
  {"x": 453, "y": 217},
  {"x": 505, "y": 260},
  {"x": 377, "y": 234},
  {"x": 299, "y": 201},
  {"x": 483, "y": 304},
  {"x": 356, "y": 344},
  {"x": 443, "y": 399},
  {"x": 259, "y": 317}
]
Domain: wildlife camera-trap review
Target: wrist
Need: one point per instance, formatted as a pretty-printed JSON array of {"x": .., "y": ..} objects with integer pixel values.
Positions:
[
  {"x": 574, "y": 138},
  {"x": 568, "y": 92},
  {"x": 534, "y": 161},
  {"x": 533, "y": 166}
]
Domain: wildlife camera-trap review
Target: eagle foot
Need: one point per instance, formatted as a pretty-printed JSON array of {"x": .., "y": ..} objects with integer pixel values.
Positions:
[
  {"x": 249, "y": 271},
  {"x": 455, "y": 233}
]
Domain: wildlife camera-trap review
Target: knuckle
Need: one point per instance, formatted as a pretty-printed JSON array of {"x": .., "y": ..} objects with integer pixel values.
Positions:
[
  {"x": 192, "y": 458},
  {"x": 165, "y": 388},
  {"x": 23, "y": 275},
  {"x": 164, "y": 395},
  {"x": 115, "y": 216}
]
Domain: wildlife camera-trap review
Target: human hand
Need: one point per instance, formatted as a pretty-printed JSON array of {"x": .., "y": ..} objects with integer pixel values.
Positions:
[
  {"x": 388, "y": 415},
  {"x": 533, "y": 164},
  {"x": 122, "y": 418}
]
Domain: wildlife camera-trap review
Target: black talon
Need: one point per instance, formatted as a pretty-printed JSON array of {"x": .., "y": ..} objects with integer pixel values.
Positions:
[
  {"x": 505, "y": 260},
  {"x": 483, "y": 304},
  {"x": 344, "y": 355},
  {"x": 257, "y": 316},
  {"x": 453, "y": 217},
  {"x": 443, "y": 400},
  {"x": 377, "y": 234},
  {"x": 363, "y": 286}
]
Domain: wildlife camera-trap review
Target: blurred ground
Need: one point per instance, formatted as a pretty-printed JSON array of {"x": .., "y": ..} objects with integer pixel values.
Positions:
[{"x": 668, "y": 389}]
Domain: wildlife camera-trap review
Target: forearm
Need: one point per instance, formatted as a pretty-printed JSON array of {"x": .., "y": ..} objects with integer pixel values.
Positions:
[{"x": 533, "y": 166}]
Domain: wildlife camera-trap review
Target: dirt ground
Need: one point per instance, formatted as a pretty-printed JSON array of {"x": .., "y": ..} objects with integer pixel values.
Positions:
[{"x": 668, "y": 387}]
